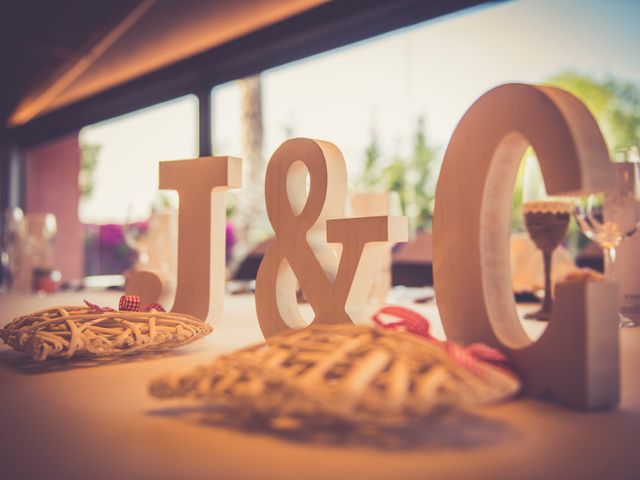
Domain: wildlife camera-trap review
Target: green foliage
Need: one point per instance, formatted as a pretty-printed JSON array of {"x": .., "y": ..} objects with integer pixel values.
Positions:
[
  {"x": 420, "y": 177},
  {"x": 88, "y": 163},
  {"x": 412, "y": 178},
  {"x": 372, "y": 155},
  {"x": 615, "y": 104}
]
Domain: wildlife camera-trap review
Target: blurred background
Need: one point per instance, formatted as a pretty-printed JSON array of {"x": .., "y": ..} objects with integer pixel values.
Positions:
[{"x": 94, "y": 95}]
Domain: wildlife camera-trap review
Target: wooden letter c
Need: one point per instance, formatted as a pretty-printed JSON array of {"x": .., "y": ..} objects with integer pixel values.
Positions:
[{"x": 575, "y": 361}]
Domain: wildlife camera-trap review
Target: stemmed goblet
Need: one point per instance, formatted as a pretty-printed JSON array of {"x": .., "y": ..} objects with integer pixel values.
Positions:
[
  {"x": 547, "y": 222},
  {"x": 546, "y": 219},
  {"x": 609, "y": 218}
]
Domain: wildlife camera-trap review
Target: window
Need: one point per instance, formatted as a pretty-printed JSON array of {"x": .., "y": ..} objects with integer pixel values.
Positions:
[
  {"x": 119, "y": 184},
  {"x": 128, "y": 150},
  {"x": 392, "y": 102}
]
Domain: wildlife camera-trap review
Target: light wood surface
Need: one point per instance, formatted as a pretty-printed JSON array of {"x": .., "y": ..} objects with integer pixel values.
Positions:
[
  {"x": 304, "y": 222},
  {"x": 100, "y": 423},
  {"x": 366, "y": 205},
  {"x": 202, "y": 184},
  {"x": 150, "y": 286},
  {"x": 576, "y": 359}
]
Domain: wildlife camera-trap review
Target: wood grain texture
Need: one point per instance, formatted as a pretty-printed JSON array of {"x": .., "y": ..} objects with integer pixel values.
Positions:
[
  {"x": 202, "y": 184},
  {"x": 336, "y": 287},
  {"x": 150, "y": 286},
  {"x": 364, "y": 205},
  {"x": 576, "y": 359}
]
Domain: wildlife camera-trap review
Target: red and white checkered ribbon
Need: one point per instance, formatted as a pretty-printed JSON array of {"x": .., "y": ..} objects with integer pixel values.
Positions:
[
  {"x": 97, "y": 308},
  {"x": 128, "y": 303},
  {"x": 469, "y": 357}
]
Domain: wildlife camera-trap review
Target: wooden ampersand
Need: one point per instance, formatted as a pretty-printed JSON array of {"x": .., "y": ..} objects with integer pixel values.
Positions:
[
  {"x": 336, "y": 288},
  {"x": 202, "y": 184},
  {"x": 575, "y": 361}
]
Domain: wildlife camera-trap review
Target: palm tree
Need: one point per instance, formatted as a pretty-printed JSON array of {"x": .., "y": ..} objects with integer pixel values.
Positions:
[{"x": 249, "y": 214}]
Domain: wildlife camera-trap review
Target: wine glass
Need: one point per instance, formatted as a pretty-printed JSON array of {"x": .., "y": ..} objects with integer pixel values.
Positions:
[
  {"x": 608, "y": 218},
  {"x": 40, "y": 241},
  {"x": 546, "y": 219}
]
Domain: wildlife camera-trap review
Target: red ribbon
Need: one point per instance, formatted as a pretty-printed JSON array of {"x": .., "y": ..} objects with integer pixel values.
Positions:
[
  {"x": 128, "y": 303},
  {"x": 469, "y": 357}
]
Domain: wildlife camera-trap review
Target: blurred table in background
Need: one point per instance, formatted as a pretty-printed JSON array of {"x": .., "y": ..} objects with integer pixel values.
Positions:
[{"x": 69, "y": 421}]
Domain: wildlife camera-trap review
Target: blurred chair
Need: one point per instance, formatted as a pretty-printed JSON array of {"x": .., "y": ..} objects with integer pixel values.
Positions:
[
  {"x": 248, "y": 267},
  {"x": 591, "y": 256},
  {"x": 411, "y": 262}
]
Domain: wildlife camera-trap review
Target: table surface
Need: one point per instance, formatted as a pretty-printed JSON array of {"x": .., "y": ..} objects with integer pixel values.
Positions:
[{"x": 95, "y": 422}]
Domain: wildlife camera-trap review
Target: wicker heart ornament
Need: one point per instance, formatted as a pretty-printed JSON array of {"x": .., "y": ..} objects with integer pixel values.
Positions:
[
  {"x": 343, "y": 373},
  {"x": 66, "y": 331}
]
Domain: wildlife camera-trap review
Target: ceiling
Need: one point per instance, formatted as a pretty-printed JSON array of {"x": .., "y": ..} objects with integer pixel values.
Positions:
[
  {"x": 55, "y": 53},
  {"x": 65, "y": 64}
]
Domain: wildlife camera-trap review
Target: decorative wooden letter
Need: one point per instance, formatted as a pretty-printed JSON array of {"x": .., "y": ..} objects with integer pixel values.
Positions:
[
  {"x": 575, "y": 361},
  {"x": 201, "y": 184},
  {"x": 336, "y": 288}
]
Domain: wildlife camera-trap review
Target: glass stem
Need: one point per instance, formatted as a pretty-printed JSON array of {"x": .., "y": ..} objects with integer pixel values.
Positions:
[
  {"x": 609, "y": 260},
  {"x": 547, "y": 303}
]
